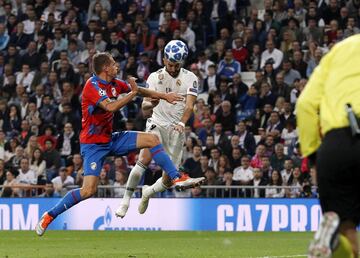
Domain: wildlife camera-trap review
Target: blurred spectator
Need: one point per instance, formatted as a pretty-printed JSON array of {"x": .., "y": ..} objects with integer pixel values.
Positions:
[
  {"x": 61, "y": 181},
  {"x": 228, "y": 66},
  {"x": 38, "y": 165},
  {"x": 271, "y": 53},
  {"x": 228, "y": 181},
  {"x": 52, "y": 158},
  {"x": 294, "y": 180},
  {"x": 67, "y": 142},
  {"x": 258, "y": 180},
  {"x": 226, "y": 117},
  {"x": 278, "y": 158},
  {"x": 246, "y": 139},
  {"x": 8, "y": 190},
  {"x": 104, "y": 181},
  {"x": 49, "y": 191},
  {"x": 243, "y": 174},
  {"x": 275, "y": 180},
  {"x": 119, "y": 184},
  {"x": 26, "y": 175}
]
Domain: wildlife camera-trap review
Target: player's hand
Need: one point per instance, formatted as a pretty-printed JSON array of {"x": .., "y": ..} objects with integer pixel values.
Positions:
[
  {"x": 133, "y": 84},
  {"x": 179, "y": 128},
  {"x": 172, "y": 97}
]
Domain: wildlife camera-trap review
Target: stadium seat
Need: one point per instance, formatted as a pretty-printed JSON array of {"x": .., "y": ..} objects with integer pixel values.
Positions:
[{"x": 248, "y": 78}]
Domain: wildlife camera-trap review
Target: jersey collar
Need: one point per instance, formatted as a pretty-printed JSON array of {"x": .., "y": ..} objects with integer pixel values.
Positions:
[{"x": 101, "y": 80}]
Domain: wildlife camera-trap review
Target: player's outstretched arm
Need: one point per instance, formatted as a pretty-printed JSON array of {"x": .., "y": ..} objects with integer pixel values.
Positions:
[
  {"x": 113, "y": 106},
  {"x": 171, "y": 97}
]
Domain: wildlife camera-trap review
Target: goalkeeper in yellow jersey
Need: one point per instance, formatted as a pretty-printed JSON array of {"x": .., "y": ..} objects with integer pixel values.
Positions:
[{"x": 328, "y": 112}]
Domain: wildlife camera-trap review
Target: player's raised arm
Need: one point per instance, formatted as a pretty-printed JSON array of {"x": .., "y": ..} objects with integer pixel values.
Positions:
[{"x": 113, "y": 106}]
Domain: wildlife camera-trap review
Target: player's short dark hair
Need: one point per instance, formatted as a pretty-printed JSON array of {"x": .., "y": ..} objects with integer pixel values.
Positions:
[{"x": 100, "y": 60}]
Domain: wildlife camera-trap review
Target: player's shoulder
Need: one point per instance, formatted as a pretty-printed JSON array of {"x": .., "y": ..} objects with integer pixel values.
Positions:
[{"x": 187, "y": 74}]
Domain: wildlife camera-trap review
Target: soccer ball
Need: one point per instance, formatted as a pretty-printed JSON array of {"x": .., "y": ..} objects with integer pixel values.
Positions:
[{"x": 176, "y": 51}]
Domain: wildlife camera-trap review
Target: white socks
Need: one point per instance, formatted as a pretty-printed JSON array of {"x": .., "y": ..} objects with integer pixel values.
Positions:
[
  {"x": 158, "y": 187},
  {"x": 133, "y": 181}
]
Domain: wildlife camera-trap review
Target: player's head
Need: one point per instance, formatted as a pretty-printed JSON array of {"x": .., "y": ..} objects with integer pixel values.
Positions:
[
  {"x": 104, "y": 63},
  {"x": 175, "y": 53}
]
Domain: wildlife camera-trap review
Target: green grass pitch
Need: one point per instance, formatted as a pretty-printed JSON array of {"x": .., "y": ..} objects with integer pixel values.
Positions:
[{"x": 152, "y": 244}]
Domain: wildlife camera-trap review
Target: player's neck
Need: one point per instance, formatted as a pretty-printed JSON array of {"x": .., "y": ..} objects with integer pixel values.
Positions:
[{"x": 104, "y": 77}]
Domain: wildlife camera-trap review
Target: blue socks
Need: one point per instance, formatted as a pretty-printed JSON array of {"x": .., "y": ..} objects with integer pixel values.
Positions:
[
  {"x": 70, "y": 199},
  {"x": 164, "y": 161}
]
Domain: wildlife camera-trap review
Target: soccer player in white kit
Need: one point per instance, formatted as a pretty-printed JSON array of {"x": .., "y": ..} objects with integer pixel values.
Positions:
[{"x": 167, "y": 121}]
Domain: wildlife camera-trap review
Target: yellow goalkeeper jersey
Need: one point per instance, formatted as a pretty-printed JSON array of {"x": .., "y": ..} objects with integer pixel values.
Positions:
[{"x": 334, "y": 83}]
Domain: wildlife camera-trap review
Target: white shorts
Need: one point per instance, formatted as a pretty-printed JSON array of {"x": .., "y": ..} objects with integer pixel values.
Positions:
[{"x": 172, "y": 140}]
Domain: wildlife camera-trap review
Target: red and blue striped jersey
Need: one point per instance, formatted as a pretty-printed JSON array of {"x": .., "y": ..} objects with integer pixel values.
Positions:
[{"x": 97, "y": 122}]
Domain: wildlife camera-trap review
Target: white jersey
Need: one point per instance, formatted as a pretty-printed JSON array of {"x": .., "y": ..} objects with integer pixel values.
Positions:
[{"x": 166, "y": 114}]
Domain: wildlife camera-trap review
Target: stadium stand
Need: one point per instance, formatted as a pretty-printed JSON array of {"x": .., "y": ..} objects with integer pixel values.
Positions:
[{"x": 45, "y": 58}]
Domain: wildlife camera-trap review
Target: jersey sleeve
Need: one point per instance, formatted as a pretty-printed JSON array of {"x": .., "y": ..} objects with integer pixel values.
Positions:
[
  {"x": 93, "y": 94},
  {"x": 193, "y": 86},
  {"x": 151, "y": 82},
  {"x": 121, "y": 86}
]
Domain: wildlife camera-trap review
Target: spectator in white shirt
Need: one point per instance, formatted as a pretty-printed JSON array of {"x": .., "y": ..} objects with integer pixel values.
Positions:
[
  {"x": 204, "y": 64},
  {"x": 187, "y": 35},
  {"x": 61, "y": 181},
  {"x": 271, "y": 53},
  {"x": 26, "y": 176},
  {"x": 29, "y": 24},
  {"x": 276, "y": 180},
  {"x": 25, "y": 77},
  {"x": 244, "y": 173}
]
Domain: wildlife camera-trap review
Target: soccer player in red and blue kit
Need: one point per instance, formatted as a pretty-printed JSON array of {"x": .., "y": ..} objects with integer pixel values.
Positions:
[{"x": 97, "y": 139}]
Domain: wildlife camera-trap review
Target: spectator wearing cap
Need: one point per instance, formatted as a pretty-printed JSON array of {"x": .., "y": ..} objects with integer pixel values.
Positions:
[
  {"x": 228, "y": 66},
  {"x": 271, "y": 52},
  {"x": 62, "y": 181}
]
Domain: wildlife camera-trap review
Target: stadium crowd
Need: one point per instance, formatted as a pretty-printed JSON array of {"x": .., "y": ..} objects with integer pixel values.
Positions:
[{"x": 243, "y": 132}]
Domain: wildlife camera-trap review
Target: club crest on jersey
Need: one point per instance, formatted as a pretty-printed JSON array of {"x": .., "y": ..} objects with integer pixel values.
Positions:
[
  {"x": 102, "y": 92},
  {"x": 93, "y": 165},
  {"x": 161, "y": 76},
  {"x": 178, "y": 82},
  {"x": 113, "y": 91}
]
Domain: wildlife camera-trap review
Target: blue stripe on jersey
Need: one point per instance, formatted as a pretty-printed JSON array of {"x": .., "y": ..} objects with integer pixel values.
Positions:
[
  {"x": 94, "y": 82},
  {"x": 96, "y": 78}
]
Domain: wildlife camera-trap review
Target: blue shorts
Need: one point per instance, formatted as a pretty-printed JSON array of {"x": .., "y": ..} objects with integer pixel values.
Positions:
[{"x": 95, "y": 154}]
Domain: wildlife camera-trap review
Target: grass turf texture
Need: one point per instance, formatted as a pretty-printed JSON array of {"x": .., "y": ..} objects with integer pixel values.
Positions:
[{"x": 152, "y": 244}]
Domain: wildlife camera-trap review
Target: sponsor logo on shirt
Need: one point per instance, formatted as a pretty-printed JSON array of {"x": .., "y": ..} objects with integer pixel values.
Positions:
[{"x": 113, "y": 91}]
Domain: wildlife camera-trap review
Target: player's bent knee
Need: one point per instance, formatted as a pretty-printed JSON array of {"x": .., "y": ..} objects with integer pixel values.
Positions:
[
  {"x": 145, "y": 160},
  {"x": 87, "y": 192}
]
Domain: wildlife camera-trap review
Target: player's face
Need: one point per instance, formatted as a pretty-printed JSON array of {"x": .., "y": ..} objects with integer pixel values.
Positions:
[
  {"x": 172, "y": 68},
  {"x": 112, "y": 68}
]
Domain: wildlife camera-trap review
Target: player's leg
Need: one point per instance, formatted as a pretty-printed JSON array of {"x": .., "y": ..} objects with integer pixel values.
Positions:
[
  {"x": 337, "y": 176},
  {"x": 93, "y": 160},
  {"x": 133, "y": 181}
]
